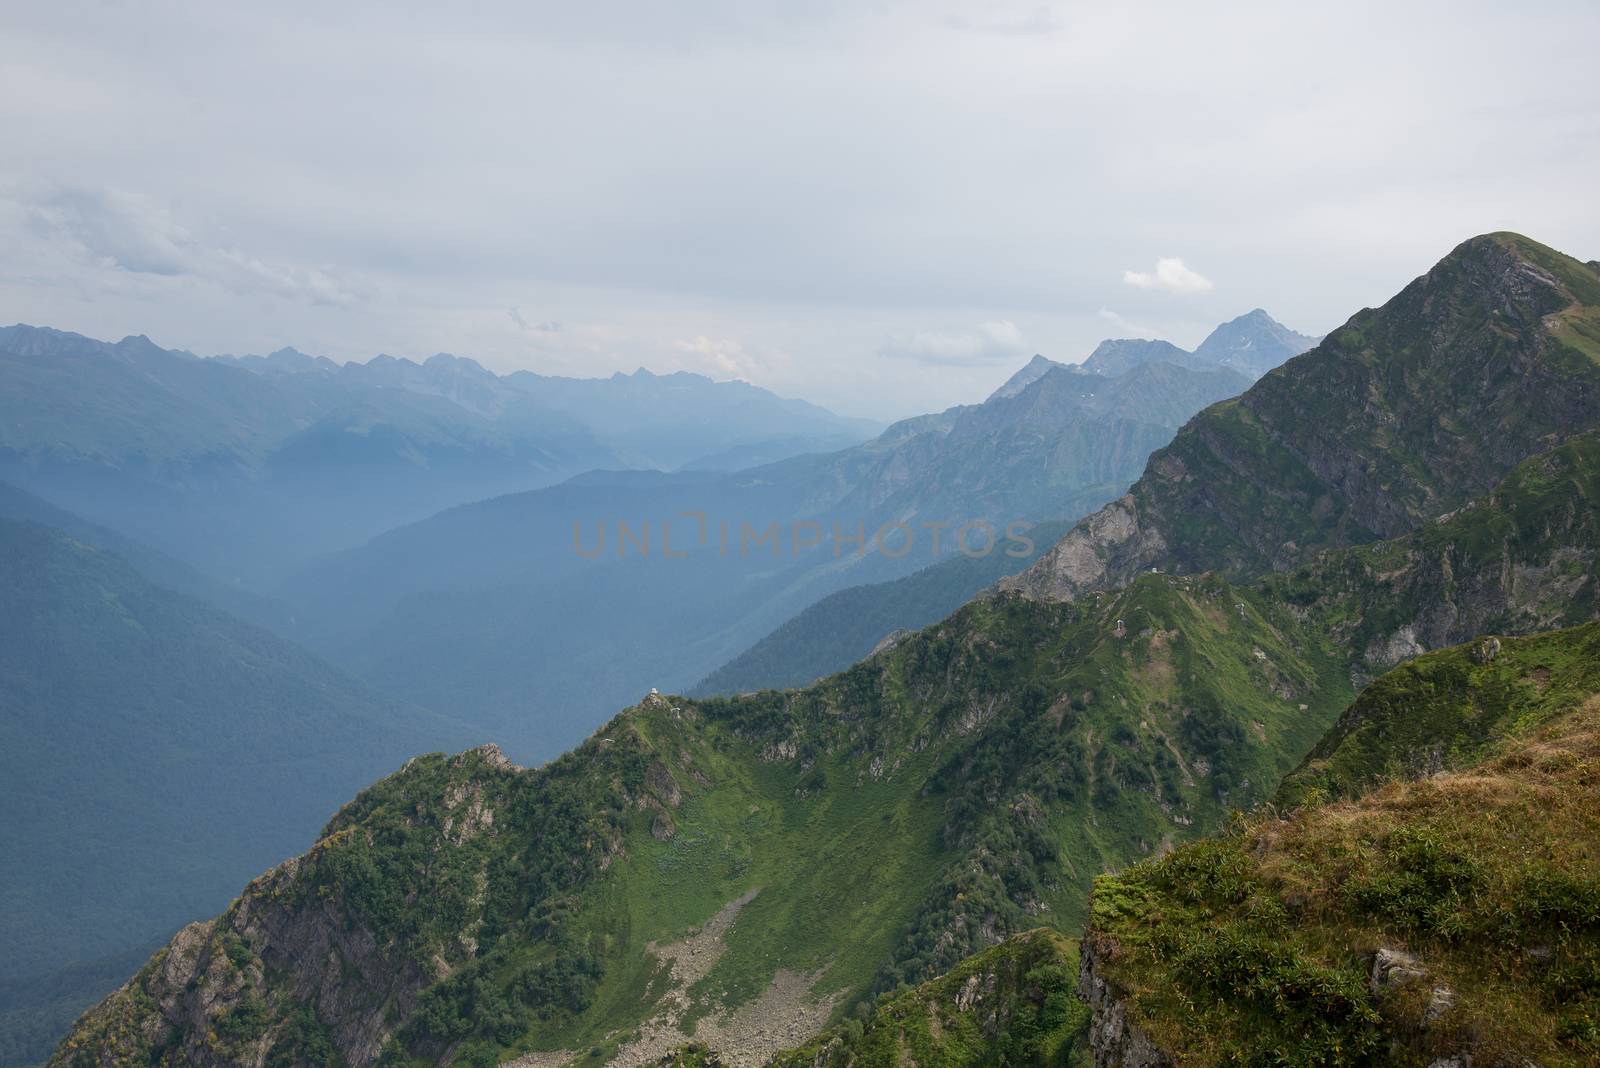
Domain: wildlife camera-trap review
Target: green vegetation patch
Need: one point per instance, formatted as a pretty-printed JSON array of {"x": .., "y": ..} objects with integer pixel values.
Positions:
[
  {"x": 1259, "y": 947},
  {"x": 1012, "y": 1004}
]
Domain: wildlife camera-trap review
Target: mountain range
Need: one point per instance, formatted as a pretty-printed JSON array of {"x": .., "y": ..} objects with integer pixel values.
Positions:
[
  {"x": 849, "y": 872},
  {"x": 247, "y": 467},
  {"x": 1069, "y": 442},
  {"x": 511, "y": 611}
]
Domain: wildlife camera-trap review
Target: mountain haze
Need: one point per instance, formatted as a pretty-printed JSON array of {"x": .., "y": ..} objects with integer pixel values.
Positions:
[
  {"x": 489, "y": 608},
  {"x": 248, "y": 466},
  {"x": 662, "y": 883},
  {"x": 1251, "y": 345},
  {"x": 154, "y": 751}
]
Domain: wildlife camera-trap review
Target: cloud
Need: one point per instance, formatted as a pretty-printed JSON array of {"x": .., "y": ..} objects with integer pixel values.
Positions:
[
  {"x": 114, "y": 230},
  {"x": 1039, "y": 19},
  {"x": 943, "y": 164},
  {"x": 1170, "y": 274},
  {"x": 548, "y": 326},
  {"x": 1128, "y": 327},
  {"x": 720, "y": 354},
  {"x": 981, "y": 344}
]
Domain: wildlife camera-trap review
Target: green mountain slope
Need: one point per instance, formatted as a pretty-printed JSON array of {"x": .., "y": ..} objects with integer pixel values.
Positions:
[
  {"x": 1444, "y": 711},
  {"x": 155, "y": 751},
  {"x": 1014, "y": 1004},
  {"x": 963, "y": 786},
  {"x": 843, "y": 627},
  {"x": 697, "y": 868},
  {"x": 1400, "y": 415},
  {"x": 1422, "y": 923}
]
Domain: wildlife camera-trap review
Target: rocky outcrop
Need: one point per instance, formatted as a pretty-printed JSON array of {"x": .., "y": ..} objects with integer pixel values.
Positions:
[
  {"x": 1102, "y": 551},
  {"x": 1116, "y": 1040},
  {"x": 231, "y": 993}
]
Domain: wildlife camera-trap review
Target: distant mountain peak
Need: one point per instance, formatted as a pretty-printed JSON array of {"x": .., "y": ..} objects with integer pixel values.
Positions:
[
  {"x": 444, "y": 361},
  {"x": 1254, "y": 343},
  {"x": 1116, "y": 356},
  {"x": 1030, "y": 373}
]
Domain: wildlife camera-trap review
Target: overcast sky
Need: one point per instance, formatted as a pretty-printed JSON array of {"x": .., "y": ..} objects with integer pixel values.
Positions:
[{"x": 882, "y": 207}]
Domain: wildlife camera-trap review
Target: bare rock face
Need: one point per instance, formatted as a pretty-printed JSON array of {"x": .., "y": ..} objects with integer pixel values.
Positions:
[
  {"x": 210, "y": 973},
  {"x": 220, "y": 993},
  {"x": 1100, "y": 551},
  {"x": 1394, "y": 967},
  {"x": 1116, "y": 1040}
]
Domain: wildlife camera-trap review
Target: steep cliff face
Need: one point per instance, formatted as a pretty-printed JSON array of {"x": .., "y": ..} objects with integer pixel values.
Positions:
[
  {"x": 1442, "y": 920},
  {"x": 1400, "y": 415},
  {"x": 1114, "y": 1038},
  {"x": 1521, "y": 559},
  {"x": 307, "y": 962}
]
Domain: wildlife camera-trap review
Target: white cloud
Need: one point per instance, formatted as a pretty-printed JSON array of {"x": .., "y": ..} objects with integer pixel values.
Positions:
[
  {"x": 1127, "y": 326},
  {"x": 721, "y": 355},
  {"x": 547, "y": 326},
  {"x": 1170, "y": 274},
  {"x": 981, "y": 344},
  {"x": 109, "y": 229},
  {"x": 941, "y": 164}
]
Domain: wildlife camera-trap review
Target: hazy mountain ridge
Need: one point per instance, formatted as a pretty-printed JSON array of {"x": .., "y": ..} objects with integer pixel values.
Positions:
[
  {"x": 178, "y": 747},
  {"x": 530, "y": 625},
  {"x": 247, "y": 465},
  {"x": 1119, "y": 356},
  {"x": 158, "y": 567},
  {"x": 1251, "y": 345},
  {"x": 966, "y": 784},
  {"x": 845, "y": 626}
]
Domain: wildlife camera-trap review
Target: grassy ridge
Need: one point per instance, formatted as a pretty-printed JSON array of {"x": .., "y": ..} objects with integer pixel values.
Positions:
[
  {"x": 1445, "y": 710},
  {"x": 1258, "y": 947},
  {"x": 962, "y": 787}
]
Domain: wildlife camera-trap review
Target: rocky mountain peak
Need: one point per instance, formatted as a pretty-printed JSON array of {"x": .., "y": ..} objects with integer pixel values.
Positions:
[
  {"x": 1120, "y": 355},
  {"x": 1397, "y": 417},
  {"x": 1030, "y": 373},
  {"x": 1254, "y": 343}
]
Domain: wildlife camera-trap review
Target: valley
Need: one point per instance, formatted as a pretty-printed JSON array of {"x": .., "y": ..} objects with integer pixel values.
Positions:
[{"x": 1235, "y": 635}]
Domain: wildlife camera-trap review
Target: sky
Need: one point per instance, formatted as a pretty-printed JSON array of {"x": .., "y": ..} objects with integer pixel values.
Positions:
[{"x": 882, "y": 207}]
